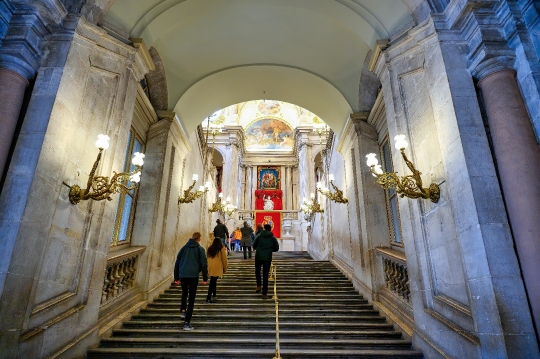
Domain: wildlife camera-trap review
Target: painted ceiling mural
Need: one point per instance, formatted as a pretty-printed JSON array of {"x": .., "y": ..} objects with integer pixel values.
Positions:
[
  {"x": 268, "y": 124},
  {"x": 269, "y": 134}
]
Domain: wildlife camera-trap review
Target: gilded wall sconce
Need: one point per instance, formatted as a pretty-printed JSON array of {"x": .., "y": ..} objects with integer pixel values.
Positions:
[
  {"x": 406, "y": 186},
  {"x": 218, "y": 206},
  {"x": 336, "y": 196},
  {"x": 190, "y": 196},
  {"x": 310, "y": 207},
  {"x": 100, "y": 187}
]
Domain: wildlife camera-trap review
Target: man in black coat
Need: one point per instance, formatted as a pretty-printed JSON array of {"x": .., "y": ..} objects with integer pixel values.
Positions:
[
  {"x": 191, "y": 260},
  {"x": 221, "y": 231},
  {"x": 265, "y": 244}
]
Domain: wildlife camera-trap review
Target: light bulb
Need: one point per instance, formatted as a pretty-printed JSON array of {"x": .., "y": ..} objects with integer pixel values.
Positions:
[
  {"x": 136, "y": 177},
  {"x": 201, "y": 189},
  {"x": 312, "y": 195},
  {"x": 220, "y": 195},
  {"x": 103, "y": 142},
  {"x": 228, "y": 199},
  {"x": 325, "y": 189},
  {"x": 207, "y": 184},
  {"x": 331, "y": 177},
  {"x": 401, "y": 142},
  {"x": 138, "y": 159},
  {"x": 378, "y": 169},
  {"x": 195, "y": 177},
  {"x": 372, "y": 159},
  {"x": 319, "y": 184}
]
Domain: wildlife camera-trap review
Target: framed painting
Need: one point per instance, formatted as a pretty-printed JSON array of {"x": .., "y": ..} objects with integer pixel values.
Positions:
[{"x": 268, "y": 177}]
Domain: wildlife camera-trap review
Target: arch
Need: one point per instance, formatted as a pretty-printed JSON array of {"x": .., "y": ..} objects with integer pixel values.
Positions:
[
  {"x": 279, "y": 83},
  {"x": 197, "y": 39}
]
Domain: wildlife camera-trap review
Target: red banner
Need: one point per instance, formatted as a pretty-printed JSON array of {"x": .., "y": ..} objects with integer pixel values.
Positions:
[
  {"x": 269, "y": 217},
  {"x": 274, "y": 194}
]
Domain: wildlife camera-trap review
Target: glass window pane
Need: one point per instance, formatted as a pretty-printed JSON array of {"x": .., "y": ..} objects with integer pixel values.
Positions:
[
  {"x": 395, "y": 219},
  {"x": 124, "y": 223},
  {"x": 387, "y": 162}
]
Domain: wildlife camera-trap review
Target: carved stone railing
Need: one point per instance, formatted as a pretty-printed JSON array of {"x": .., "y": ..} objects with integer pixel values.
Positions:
[
  {"x": 120, "y": 272},
  {"x": 396, "y": 277}
]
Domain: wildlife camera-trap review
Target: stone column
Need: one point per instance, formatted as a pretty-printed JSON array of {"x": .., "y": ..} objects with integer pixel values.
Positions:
[
  {"x": 12, "y": 87},
  {"x": 253, "y": 186},
  {"x": 243, "y": 187},
  {"x": 518, "y": 161}
]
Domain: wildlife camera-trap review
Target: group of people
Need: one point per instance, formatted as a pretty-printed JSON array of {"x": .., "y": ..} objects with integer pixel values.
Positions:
[
  {"x": 192, "y": 260},
  {"x": 240, "y": 239}
]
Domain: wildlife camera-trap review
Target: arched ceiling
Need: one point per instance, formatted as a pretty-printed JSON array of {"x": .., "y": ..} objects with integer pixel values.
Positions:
[{"x": 202, "y": 42}]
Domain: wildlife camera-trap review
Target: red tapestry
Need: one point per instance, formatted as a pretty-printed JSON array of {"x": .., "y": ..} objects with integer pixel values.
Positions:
[
  {"x": 269, "y": 217},
  {"x": 275, "y": 195}
]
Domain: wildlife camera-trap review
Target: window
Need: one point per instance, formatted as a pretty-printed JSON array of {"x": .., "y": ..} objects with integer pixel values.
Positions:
[
  {"x": 125, "y": 212},
  {"x": 391, "y": 197}
]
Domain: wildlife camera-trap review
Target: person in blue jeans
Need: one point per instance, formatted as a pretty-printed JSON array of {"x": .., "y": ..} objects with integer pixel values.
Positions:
[
  {"x": 190, "y": 261},
  {"x": 265, "y": 244}
]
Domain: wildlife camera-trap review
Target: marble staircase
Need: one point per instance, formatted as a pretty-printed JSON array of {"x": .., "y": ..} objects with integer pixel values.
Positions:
[{"x": 320, "y": 316}]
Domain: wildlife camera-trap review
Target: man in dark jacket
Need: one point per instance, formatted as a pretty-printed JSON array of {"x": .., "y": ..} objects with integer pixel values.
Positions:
[
  {"x": 221, "y": 231},
  {"x": 191, "y": 260},
  {"x": 265, "y": 244},
  {"x": 246, "y": 231}
]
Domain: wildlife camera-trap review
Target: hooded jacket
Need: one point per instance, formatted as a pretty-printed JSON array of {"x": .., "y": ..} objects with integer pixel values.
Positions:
[
  {"x": 191, "y": 260},
  {"x": 265, "y": 244}
]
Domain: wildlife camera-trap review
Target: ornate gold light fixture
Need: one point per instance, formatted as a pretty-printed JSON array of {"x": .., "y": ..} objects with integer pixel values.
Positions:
[
  {"x": 310, "y": 207},
  {"x": 191, "y": 196},
  {"x": 99, "y": 188},
  {"x": 229, "y": 209},
  {"x": 336, "y": 196},
  {"x": 409, "y": 186},
  {"x": 218, "y": 206}
]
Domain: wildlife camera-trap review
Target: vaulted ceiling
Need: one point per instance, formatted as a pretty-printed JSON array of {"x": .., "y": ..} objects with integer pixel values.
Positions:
[{"x": 220, "y": 52}]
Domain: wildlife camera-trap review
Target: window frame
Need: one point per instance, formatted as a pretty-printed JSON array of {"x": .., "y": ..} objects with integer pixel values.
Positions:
[
  {"x": 115, "y": 242},
  {"x": 388, "y": 197}
]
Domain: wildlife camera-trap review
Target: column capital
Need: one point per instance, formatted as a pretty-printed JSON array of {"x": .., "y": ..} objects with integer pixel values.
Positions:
[{"x": 29, "y": 25}]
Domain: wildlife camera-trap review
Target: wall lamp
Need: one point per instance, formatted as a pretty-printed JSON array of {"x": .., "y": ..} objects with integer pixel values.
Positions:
[
  {"x": 219, "y": 206},
  {"x": 229, "y": 209},
  {"x": 336, "y": 196},
  {"x": 310, "y": 207},
  {"x": 409, "y": 186},
  {"x": 99, "y": 188},
  {"x": 191, "y": 196}
]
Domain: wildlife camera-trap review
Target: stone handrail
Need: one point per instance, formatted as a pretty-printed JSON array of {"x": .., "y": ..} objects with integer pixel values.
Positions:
[
  {"x": 120, "y": 272},
  {"x": 396, "y": 277}
]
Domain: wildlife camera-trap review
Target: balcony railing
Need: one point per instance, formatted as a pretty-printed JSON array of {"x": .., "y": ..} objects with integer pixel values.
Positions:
[
  {"x": 396, "y": 276},
  {"x": 120, "y": 273}
]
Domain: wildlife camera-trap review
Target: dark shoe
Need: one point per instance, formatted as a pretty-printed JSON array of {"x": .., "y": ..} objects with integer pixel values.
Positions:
[
  {"x": 183, "y": 315},
  {"x": 210, "y": 301},
  {"x": 258, "y": 290},
  {"x": 188, "y": 326},
  {"x": 264, "y": 296}
]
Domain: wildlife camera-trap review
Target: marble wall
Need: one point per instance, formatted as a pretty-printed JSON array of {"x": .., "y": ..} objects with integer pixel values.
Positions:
[
  {"x": 458, "y": 251},
  {"x": 52, "y": 289}
]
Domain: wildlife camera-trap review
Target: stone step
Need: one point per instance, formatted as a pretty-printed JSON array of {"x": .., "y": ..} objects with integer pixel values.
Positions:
[
  {"x": 201, "y": 305},
  {"x": 306, "y": 318},
  {"x": 265, "y": 324},
  {"x": 196, "y": 353},
  {"x": 232, "y": 333},
  {"x": 215, "y": 308},
  {"x": 246, "y": 343}
]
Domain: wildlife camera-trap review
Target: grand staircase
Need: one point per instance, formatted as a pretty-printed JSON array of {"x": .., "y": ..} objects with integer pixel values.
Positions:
[{"x": 320, "y": 316}]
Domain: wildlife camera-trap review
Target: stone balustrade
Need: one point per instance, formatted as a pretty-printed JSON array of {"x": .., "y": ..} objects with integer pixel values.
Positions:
[
  {"x": 396, "y": 277},
  {"x": 120, "y": 273}
]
